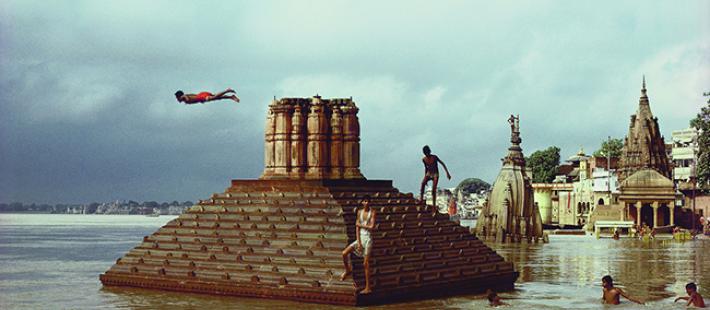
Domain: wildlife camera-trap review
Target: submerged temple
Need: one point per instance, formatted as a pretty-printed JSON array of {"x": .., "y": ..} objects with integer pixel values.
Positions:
[
  {"x": 511, "y": 214},
  {"x": 281, "y": 236}
]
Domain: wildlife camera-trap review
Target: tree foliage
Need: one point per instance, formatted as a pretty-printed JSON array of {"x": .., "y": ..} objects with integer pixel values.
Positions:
[
  {"x": 612, "y": 147},
  {"x": 544, "y": 164},
  {"x": 702, "y": 124},
  {"x": 472, "y": 185}
]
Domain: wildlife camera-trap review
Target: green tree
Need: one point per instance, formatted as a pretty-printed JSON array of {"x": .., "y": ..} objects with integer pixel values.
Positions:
[
  {"x": 702, "y": 124},
  {"x": 472, "y": 185},
  {"x": 613, "y": 147},
  {"x": 544, "y": 164}
]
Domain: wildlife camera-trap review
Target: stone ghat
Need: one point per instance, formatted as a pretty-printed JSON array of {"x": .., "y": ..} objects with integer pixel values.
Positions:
[{"x": 283, "y": 239}]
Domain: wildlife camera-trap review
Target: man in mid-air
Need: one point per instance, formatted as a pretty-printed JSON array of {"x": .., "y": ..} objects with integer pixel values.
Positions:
[{"x": 205, "y": 96}]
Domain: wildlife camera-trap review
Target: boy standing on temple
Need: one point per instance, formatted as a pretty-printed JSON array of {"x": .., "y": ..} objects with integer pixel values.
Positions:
[{"x": 431, "y": 172}]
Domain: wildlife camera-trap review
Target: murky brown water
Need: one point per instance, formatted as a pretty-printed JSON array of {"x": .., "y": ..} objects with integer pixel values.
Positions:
[{"x": 53, "y": 262}]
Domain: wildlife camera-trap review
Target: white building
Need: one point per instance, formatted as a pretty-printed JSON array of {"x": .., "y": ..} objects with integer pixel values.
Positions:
[
  {"x": 605, "y": 180},
  {"x": 682, "y": 155}
]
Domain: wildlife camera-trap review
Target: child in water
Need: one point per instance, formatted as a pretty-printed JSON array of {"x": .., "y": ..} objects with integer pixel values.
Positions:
[
  {"x": 694, "y": 298},
  {"x": 611, "y": 295},
  {"x": 493, "y": 299}
]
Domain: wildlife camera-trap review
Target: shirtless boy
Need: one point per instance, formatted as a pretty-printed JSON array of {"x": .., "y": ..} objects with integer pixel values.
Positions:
[
  {"x": 610, "y": 294},
  {"x": 694, "y": 298},
  {"x": 431, "y": 172},
  {"x": 204, "y": 96}
]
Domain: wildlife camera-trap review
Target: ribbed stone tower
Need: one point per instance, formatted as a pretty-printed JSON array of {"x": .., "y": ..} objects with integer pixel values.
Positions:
[
  {"x": 644, "y": 146},
  {"x": 510, "y": 214},
  {"x": 281, "y": 236},
  {"x": 312, "y": 138}
]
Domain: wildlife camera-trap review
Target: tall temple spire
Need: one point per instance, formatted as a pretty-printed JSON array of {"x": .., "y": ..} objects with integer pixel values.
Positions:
[{"x": 644, "y": 146}]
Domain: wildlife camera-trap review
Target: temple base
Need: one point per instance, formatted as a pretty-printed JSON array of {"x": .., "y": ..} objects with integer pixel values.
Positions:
[{"x": 283, "y": 239}]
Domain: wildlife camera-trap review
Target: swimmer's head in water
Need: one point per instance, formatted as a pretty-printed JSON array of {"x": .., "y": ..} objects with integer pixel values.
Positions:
[
  {"x": 691, "y": 288},
  {"x": 607, "y": 281},
  {"x": 492, "y": 296}
]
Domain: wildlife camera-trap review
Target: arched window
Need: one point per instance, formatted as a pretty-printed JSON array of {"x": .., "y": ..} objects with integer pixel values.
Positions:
[{"x": 600, "y": 202}]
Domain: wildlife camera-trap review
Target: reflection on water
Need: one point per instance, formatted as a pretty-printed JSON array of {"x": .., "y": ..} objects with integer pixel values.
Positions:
[{"x": 53, "y": 261}]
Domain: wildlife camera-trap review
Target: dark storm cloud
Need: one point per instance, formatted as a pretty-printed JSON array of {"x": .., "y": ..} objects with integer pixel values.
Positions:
[{"x": 87, "y": 113}]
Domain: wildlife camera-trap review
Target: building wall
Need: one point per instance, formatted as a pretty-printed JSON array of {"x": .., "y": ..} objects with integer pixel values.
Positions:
[{"x": 543, "y": 199}]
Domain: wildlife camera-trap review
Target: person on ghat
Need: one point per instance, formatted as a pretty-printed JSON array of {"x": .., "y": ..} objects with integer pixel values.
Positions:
[
  {"x": 431, "y": 172},
  {"x": 362, "y": 246}
]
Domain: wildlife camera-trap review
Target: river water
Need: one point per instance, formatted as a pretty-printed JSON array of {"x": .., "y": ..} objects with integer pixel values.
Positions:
[{"x": 53, "y": 262}]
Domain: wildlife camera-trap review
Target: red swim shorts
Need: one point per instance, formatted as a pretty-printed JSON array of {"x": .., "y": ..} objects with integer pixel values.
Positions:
[{"x": 203, "y": 96}]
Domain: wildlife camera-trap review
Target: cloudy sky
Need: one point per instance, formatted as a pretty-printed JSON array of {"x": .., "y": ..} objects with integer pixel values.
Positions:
[{"x": 87, "y": 111}]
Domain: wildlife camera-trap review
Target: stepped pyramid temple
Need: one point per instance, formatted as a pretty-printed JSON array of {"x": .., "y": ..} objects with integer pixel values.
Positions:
[
  {"x": 282, "y": 236},
  {"x": 647, "y": 192},
  {"x": 511, "y": 214}
]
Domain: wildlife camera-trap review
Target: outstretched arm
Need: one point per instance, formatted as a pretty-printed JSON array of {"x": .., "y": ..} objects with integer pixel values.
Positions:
[
  {"x": 684, "y": 298},
  {"x": 622, "y": 293},
  {"x": 448, "y": 175}
]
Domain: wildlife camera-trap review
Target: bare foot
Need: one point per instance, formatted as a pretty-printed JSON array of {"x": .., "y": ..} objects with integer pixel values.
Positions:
[
  {"x": 344, "y": 276},
  {"x": 367, "y": 290},
  {"x": 229, "y": 90},
  {"x": 235, "y": 98}
]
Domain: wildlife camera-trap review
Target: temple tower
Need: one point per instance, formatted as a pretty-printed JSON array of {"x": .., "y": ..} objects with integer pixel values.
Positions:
[
  {"x": 644, "y": 146},
  {"x": 510, "y": 214},
  {"x": 312, "y": 138}
]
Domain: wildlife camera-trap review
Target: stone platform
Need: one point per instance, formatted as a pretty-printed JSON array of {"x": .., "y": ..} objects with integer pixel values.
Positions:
[{"x": 283, "y": 239}]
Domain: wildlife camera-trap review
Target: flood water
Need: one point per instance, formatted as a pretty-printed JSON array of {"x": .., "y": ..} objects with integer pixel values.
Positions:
[{"x": 53, "y": 262}]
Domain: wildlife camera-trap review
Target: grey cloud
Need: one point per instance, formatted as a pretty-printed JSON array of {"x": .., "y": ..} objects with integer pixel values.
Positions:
[{"x": 87, "y": 112}]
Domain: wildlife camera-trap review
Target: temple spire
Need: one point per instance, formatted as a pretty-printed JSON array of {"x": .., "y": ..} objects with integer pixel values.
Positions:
[{"x": 643, "y": 86}]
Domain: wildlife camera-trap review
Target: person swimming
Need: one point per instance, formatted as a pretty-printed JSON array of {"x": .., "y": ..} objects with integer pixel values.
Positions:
[
  {"x": 610, "y": 294},
  {"x": 694, "y": 298},
  {"x": 493, "y": 299}
]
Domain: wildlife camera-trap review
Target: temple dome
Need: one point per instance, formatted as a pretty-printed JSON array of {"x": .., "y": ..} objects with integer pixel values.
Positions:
[
  {"x": 510, "y": 214},
  {"x": 647, "y": 178}
]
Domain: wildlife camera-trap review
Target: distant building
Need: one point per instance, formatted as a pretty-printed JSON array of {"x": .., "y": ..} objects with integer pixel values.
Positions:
[
  {"x": 443, "y": 195},
  {"x": 685, "y": 146}
]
